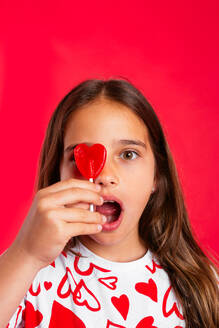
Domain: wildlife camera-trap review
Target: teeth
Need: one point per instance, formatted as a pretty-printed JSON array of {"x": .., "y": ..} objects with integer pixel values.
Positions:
[
  {"x": 109, "y": 201},
  {"x": 110, "y": 218}
]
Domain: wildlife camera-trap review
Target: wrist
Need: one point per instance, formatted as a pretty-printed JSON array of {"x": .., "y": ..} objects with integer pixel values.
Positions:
[{"x": 21, "y": 256}]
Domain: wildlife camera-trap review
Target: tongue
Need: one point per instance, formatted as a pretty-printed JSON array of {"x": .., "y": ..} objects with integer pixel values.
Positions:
[{"x": 107, "y": 209}]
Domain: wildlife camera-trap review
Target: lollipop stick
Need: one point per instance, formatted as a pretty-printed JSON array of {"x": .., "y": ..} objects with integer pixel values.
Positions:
[{"x": 91, "y": 205}]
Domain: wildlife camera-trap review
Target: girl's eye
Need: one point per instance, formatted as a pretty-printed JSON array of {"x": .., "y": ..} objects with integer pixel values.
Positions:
[{"x": 128, "y": 152}]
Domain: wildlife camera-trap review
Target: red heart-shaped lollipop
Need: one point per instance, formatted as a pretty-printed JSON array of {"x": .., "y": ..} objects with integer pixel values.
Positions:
[{"x": 90, "y": 160}]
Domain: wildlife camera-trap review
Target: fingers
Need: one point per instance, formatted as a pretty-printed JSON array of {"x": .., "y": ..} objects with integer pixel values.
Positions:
[
  {"x": 86, "y": 206},
  {"x": 70, "y": 196},
  {"x": 77, "y": 229},
  {"x": 77, "y": 221},
  {"x": 75, "y": 215},
  {"x": 71, "y": 183}
]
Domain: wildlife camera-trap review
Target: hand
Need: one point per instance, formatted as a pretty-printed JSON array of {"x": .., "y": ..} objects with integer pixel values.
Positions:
[{"x": 58, "y": 213}]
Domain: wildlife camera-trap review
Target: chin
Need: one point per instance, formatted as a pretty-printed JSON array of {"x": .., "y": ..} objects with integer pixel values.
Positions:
[{"x": 105, "y": 239}]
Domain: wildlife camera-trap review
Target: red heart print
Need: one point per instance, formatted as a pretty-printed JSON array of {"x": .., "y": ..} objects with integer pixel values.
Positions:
[
  {"x": 90, "y": 160},
  {"x": 63, "y": 317},
  {"x": 83, "y": 296},
  {"x": 31, "y": 316},
  {"x": 149, "y": 289},
  {"x": 170, "y": 294},
  {"x": 146, "y": 323},
  {"x": 111, "y": 324},
  {"x": 47, "y": 284},
  {"x": 121, "y": 304},
  {"x": 111, "y": 283}
]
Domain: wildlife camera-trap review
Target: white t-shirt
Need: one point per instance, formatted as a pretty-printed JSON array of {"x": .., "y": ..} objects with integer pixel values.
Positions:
[{"x": 97, "y": 293}]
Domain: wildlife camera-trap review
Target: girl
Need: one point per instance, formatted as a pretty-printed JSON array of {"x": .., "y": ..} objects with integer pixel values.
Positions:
[{"x": 68, "y": 267}]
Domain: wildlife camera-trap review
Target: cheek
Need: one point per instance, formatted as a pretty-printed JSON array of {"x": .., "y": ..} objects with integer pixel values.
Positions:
[
  {"x": 76, "y": 173},
  {"x": 139, "y": 184},
  {"x": 70, "y": 170},
  {"x": 142, "y": 176}
]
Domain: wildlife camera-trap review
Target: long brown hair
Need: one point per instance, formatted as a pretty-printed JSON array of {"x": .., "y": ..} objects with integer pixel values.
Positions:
[{"x": 164, "y": 224}]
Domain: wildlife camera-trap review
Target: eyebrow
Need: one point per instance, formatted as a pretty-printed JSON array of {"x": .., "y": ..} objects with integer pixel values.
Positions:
[{"x": 122, "y": 142}]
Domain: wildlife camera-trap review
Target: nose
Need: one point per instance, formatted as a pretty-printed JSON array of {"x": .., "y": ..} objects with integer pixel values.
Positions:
[{"x": 107, "y": 176}]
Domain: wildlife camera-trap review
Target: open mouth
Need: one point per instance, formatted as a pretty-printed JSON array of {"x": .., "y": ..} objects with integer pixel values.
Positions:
[{"x": 111, "y": 209}]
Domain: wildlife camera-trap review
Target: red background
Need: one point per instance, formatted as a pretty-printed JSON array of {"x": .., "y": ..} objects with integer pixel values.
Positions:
[{"x": 168, "y": 49}]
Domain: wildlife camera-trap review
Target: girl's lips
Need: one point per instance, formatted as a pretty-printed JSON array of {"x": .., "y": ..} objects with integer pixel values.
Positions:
[
  {"x": 113, "y": 225},
  {"x": 112, "y": 197},
  {"x": 110, "y": 226},
  {"x": 106, "y": 198}
]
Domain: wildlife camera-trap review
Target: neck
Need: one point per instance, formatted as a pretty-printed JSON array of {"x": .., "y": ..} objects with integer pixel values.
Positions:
[{"x": 118, "y": 252}]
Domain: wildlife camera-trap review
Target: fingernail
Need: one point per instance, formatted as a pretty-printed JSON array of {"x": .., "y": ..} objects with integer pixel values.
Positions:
[{"x": 98, "y": 187}]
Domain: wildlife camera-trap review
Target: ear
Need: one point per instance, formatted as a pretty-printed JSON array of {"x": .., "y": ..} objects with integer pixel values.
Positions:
[{"x": 154, "y": 187}]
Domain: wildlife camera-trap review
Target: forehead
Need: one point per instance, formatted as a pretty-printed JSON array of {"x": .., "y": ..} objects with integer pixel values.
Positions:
[{"x": 104, "y": 120}]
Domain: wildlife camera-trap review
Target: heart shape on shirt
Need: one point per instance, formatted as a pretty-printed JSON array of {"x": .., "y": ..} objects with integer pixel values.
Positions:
[
  {"x": 111, "y": 283},
  {"x": 149, "y": 289},
  {"x": 31, "y": 316},
  {"x": 63, "y": 317},
  {"x": 155, "y": 265},
  {"x": 90, "y": 160},
  {"x": 169, "y": 297},
  {"x": 146, "y": 323},
  {"x": 47, "y": 285},
  {"x": 121, "y": 304},
  {"x": 83, "y": 296},
  {"x": 111, "y": 324}
]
